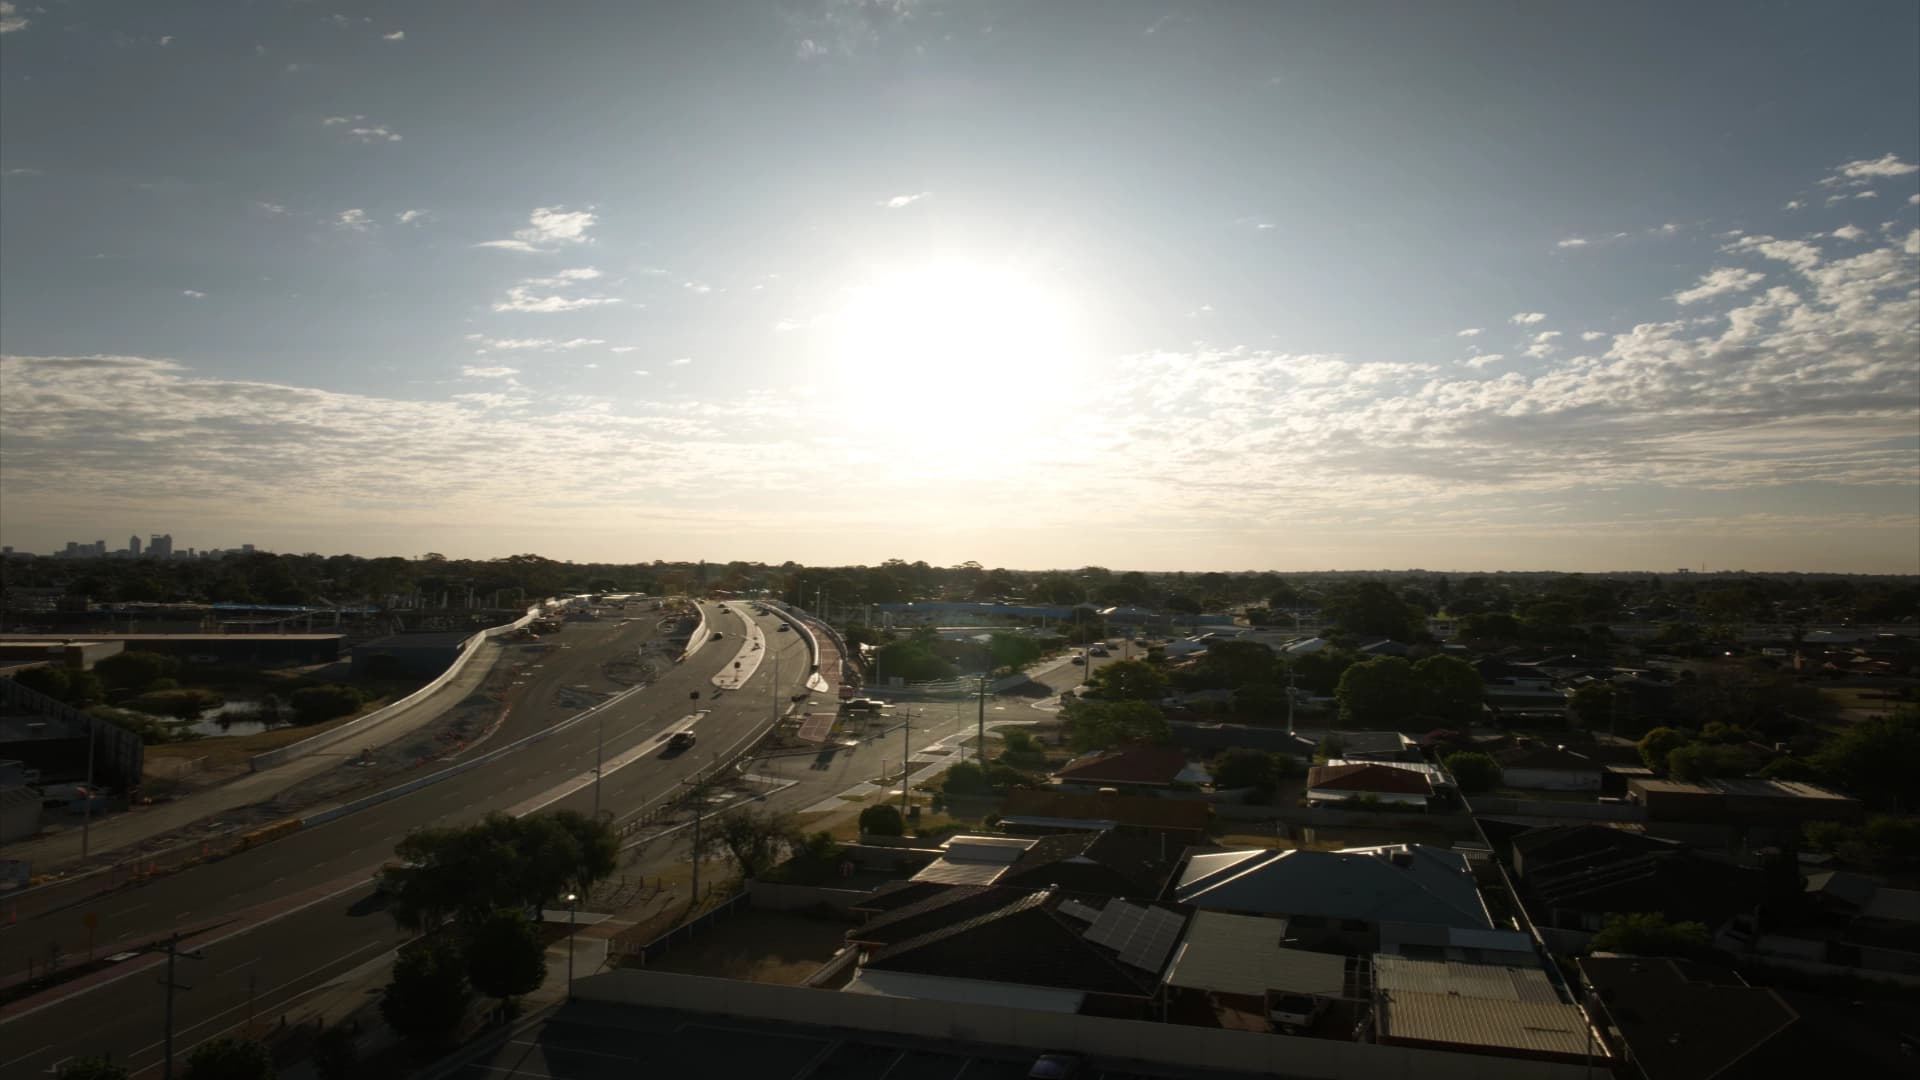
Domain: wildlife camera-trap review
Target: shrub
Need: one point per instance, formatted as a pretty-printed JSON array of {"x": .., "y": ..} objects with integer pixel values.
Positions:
[
  {"x": 135, "y": 670},
  {"x": 1473, "y": 770},
  {"x": 314, "y": 704},
  {"x": 882, "y": 820},
  {"x": 186, "y": 704}
]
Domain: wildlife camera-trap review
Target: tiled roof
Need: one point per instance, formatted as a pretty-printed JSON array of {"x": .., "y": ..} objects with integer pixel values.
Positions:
[
  {"x": 1365, "y": 777},
  {"x": 1129, "y": 765},
  {"x": 1104, "y": 864}
]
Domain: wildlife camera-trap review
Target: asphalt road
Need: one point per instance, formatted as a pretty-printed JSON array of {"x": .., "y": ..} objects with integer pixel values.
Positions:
[{"x": 315, "y": 941}]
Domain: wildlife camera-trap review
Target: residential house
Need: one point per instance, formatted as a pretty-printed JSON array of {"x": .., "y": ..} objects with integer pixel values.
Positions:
[
  {"x": 1377, "y": 746},
  {"x": 1129, "y": 769},
  {"x": 1236, "y": 971},
  {"x": 1351, "y": 899},
  {"x": 1339, "y": 781},
  {"x": 1572, "y": 877},
  {"x": 1039, "y": 812},
  {"x": 1497, "y": 1010},
  {"x": 1776, "y": 804},
  {"x": 1539, "y": 767},
  {"x": 1091, "y": 863}
]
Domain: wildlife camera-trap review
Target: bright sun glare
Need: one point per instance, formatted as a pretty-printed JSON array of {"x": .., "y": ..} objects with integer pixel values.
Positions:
[{"x": 954, "y": 335}]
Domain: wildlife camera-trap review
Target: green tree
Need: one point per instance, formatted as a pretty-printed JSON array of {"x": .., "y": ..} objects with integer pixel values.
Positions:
[
  {"x": 1650, "y": 934},
  {"x": 1489, "y": 626},
  {"x": 314, "y": 704},
  {"x": 336, "y": 1053},
  {"x": 1011, "y": 652},
  {"x": 1597, "y": 706},
  {"x": 753, "y": 839},
  {"x": 52, "y": 680},
  {"x": 1880, "y": 844},
  {"x": 1241, "y": 768},
  {"x": 1130, "y": 680},
  {"x": 1099, "y": 725},
  {"x": 1452, "y": 690},
  {"x": 429, "y": 994},
  {"x": 1379, "y": 693},
  {"x": 1232, "y": 664},
  {"x": 1876, "y": 759},
  {"x": 230, "y": 1058},
  {"x": 93, "y": 1068},
  {"x": 1371, "y": 609},
  {"x": 1705, "y": 760},
  {"x": 596, "y": 850},
  {"x": 882, "y": 819},
  {"x": 505, "y": 957},
  {"x": 911, "y": 659},
  {"x": 1473, "y": 770},
  {"x": 135, "y": 670},
  {"x": 1657, "y": 744}
]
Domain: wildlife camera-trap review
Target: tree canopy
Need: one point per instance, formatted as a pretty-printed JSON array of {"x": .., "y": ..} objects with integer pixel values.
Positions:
[
  {"x": 1650, "y": 934},
  {"x": 1129, "y": 680},
  {"x": 501, "y": 862},
  {"x": 1099, "y": 725}
]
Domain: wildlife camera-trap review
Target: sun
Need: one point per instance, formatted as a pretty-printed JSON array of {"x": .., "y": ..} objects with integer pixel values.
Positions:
[{"x": 954, "y": 335}]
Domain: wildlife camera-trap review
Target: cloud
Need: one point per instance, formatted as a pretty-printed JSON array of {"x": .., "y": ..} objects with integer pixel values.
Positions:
[
  {"x": 899, "y": 201},
  {"x": 1867, "y": 195},
  {"x": 1471, "y": 331},
  {"x": 397, "y": 35},
  {"x": 1793, "y": 204},
  {"x": 1545, "y": 336},
  {"x": 1666, "y": 229},
  {"x": 19, "y": 171},
  {"x": 1527, "y": 318},
  {"x": 1719, "y": 282},
  {"x": 1484, "y": 359},
  {"x": 1848, "y": 232},
  {"x": 271, "y": 208},
  {"x": 166, "y": 40},
  {"x": 624, "y": 348},
  {"x": 548, "y": 228},
  {"x": 488, "y": 344},
  {"x": 1543, "y": 345},
  {"x": 10, "y": 18},
  {"x": 700, "y": 287},
  {"x": 638, "y": 371},
  {"x": 1264, "y": 226},
  {"x": 1592, "y": 335},
  {"x": 358, "y": 129},
  {"x": 472, "y": 372},
  {"x": 522, "y": 298},
  {"x": 682, "y": 361},
  {"x": 1857, "y": 173},
  {"x": 1572, "y": 242},
  {"x": 1797, "y": 253},
  {"x": 410, "y": 217},
  {"x": 193, "y": 294},
  {"x": 1913, "y": 200},
  {"x": 355, "y": 220}
]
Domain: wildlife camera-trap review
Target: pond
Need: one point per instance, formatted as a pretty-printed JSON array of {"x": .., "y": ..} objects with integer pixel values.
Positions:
[{"x": 232, "y": 718}]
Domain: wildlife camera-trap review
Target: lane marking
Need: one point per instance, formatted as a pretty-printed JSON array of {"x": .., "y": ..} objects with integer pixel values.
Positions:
[
  {"x": 183, "y": 1052},
  {"x": 25, "y": 1056}
]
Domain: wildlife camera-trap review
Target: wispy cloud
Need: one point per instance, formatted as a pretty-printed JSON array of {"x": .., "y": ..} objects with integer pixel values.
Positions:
[
  {"x": 1719, "y": 282},
  {"x": 1592, "y": 335},
  {"x": 271, "y": 208},
  {"x": 1848, "y": 232},
  {"x": 11, "y": 19},
  {"x": 548, "y": 229},
  {"x": 397, "y": 35},
  {"x": 360, "y": 130},
  {"x": 193, "y": 294},
  {"x": 166, "y": 40},
  {"x": 410, "y": 217},
  {"x": 1793, "y": 204},
  {"x": 526, "y": 295},
  {"x": 899, "y": 201},
  {"x": 1527, "y": 318},
  {"x": 1572, "y": 242},
  {"x": 682, "y": 361},
  {"x": 355, "y": 220},
  {"x": 1471, "y": 331},
  {"x": 1866, "y": 170},
  {"x": 490, "y": 344},
  {"x": 472, "y": 372}
]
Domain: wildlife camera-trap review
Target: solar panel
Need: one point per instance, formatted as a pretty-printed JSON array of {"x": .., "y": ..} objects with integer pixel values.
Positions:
[
  {"x": 1115, "y": 924},
  {"x": 1083, "y": 912},
  {"x": 1143, "y": 936}
]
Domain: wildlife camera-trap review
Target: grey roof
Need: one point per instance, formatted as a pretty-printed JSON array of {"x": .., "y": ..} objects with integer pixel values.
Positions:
[
  {"x": 1854, "y": 889},
  {"x": 1411, "y": 883},
  {"x": 1450, "y": 1019},
  {"x": 1244, "y": 954},
  {"x": 1497, "y": 982}
]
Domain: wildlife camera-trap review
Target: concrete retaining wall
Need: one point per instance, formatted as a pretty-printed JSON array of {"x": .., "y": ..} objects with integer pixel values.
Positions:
[
  {"x": 348, "y": 730},
  {"x": 701, "y": 633},
  {"x": 1166, "y": 1044}
]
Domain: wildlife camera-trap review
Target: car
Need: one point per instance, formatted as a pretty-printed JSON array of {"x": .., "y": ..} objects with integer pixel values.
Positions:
[
  {"x": 782, "y": 628},
  {"x": 1057, "y": 1067},
  {"x": 717, "y": 635},
  {"x": 681, "y": 740},
  {"x": 1097, "y": 650},
  {"x": 802, "y": 695},
  {"x": 1079, "y": 659}
]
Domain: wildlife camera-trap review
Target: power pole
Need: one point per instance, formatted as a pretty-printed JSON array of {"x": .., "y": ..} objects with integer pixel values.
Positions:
[
  {"x": 1290, "y": 702},
  {"x": 599, "y": 759},
  {"x": 906, "y": 737},
  {"x": 173, "y": 954},
  {"x": 86, "y": 824},
  {"x": 980, "y": 753}
]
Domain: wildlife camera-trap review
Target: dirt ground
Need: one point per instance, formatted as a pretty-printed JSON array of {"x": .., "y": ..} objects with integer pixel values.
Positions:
[{"x": 759, "y": 946}]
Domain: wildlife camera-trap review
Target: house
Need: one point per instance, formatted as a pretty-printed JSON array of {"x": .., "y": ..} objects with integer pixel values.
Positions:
[
  {"x": 1091, "y": 863},
  {"x": 1679, "y": 1020},
  {"x": 1334, "y": 783},
  {"x": 1236, "y": 971},
  {"x": 1548, "y": 768},
  {"x": 1741, "y": 802},
  {"x": 1572, "y": 877},
  {"x": 1040, "y": 949},
  {"x": 1498, "y": 1010},
  {"x": 1131, "y": 768},
  {"x": 1351, "y": 899},
  {"x": 1035, "y": 813},
  {"x": 1376, "y": 746}
]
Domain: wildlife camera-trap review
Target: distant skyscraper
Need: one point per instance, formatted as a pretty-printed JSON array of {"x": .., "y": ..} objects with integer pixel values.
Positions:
[
  {"x": 133, "y": 545},
  {"x": 160, "y": 546},
  {"x": 100, "y": 547}
]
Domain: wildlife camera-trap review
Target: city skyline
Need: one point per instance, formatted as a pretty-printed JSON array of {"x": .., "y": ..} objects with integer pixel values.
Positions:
[{"x": 1293, "y": 287}]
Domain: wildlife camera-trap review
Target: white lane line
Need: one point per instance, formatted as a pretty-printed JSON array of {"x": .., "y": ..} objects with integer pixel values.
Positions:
[
  {"x": 234, "y": 968},
  {"x": 25, "y": 1056},
  {"x": 235, "y": 1008}
]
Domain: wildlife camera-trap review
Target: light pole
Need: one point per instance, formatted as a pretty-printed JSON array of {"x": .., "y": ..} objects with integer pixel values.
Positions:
[
  {"x": 980, "y": 750},
  {"x": 573, "y": 921},
  {"x": 86, "y": 823},
  {"x": 599, "y": 758},
  {"x": 173, "y": 954}
]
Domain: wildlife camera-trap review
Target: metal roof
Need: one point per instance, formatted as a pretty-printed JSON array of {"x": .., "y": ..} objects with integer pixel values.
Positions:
[
  {"x": 1493, "y": 982},
  {"x": 1243, "y": 954},
  {"x": 1534, "y": 1027}
]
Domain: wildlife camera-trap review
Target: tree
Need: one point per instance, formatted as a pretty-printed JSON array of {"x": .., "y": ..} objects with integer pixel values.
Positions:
[
  {"x": 1650, "y": 934},
  {"x": 1452, "y": 689},
  {"x": 882, "y": 819},
  {"x": 505, "y": 956},
  {"x": 596, "y": 852},
  {"x": 335, "y": 1053},
  {"x": 1011, "y": 651},
  {"x": 135, "y": 670},
  {"x": 314, "y": 704},
  {"x": 911, "y": 659},
  {"x": 1705, "y": 760},
  {"x": 1130, "y": 680},
  {"x": 1489, "y": 626},
  {"x": 93, "y": 1068},
  {"x": 428, "y": 996},
  {"x": 1876, "y": 758},
  {"x": 1596, "y": 706},
  {"x": 1379, "y": 693},
  {"x": 1240, "y": 768},
  {"x": 230, "y": 1058},
  {"x": 1233, "y": 664},
  {"x": 1371, "y": 609},
  {"x": 1473, "y": 770},
  {"x": 1880, "y": 844},
  {"x": 755, "y": 840},
  {"x": 1101, "y": 724},
  {"x": 1655, "y": 745},
  {"x": 52, "y": 680}
]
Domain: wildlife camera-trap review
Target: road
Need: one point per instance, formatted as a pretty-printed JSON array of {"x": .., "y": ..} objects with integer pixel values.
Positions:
[{"x": 313, "y": 885}]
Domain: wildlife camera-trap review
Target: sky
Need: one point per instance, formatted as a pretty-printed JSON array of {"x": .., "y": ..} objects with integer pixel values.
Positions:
[{"x": 1202, "y": 286}]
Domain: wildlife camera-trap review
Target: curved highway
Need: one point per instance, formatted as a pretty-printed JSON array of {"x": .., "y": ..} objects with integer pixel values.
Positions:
[{"x": 276, "y": 922}]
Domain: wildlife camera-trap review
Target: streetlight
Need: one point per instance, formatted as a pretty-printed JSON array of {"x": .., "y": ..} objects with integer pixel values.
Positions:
[{"x": 573, "y": 909}]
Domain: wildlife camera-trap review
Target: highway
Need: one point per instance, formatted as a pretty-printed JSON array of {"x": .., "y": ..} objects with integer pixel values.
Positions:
[{"x": 313, "y": 885}]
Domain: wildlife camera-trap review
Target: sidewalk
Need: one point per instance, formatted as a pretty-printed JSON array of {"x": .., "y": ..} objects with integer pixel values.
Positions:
[{"x": 112, "y": 834}]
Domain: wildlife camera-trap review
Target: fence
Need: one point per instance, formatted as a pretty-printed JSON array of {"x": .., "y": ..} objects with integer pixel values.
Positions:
[
  {"x": 119, "y": 754},
  {"x": 347, "y": 730},
  {"x": 687, "y": 931},
  {"x": 786, "y": 896}
]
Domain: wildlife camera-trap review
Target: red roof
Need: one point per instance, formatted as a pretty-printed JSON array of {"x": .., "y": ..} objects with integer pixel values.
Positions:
[
  {"x": 1368, "y": 777},
  {"x": 1130, "y": 765}
]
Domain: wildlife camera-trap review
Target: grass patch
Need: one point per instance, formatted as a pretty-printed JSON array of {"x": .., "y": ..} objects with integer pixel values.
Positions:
[{"x": 758, "y": 946}]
